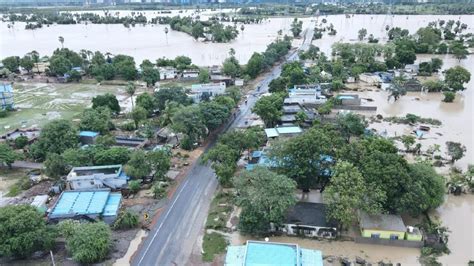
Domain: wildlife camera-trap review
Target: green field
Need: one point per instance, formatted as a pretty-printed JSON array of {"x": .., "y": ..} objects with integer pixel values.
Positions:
[{"x": 38, "y": 103}]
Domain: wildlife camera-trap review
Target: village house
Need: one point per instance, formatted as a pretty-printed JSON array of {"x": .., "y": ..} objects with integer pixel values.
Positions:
[
  {"x": 190, "y": 74},
  {"x": 308, "y": 219},
  {"x": 372, "y": 79},
  {"x": 221, "y": 78},
  {"x": 209, "y": 89},
  {"x": 273, "y": 133},
  {"x": 86, "y": 204},
  {"x": 130, "y": 142},
  {"x": 387, "y": 229},
  {"x": 305, "y": 95},
  {"x": 268, "y": 253},
  {"x": 95, "y": 177},
  {"x": 31, "y": 133},
  {"x": 167, "y": 73}
]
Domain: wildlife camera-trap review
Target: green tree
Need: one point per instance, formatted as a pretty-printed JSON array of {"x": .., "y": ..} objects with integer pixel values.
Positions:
[
  {"x": 456, "y": 150},
  {"x": 177, "y": 95},
  {"x": 254, "y": 65},
  {"x": 150, "y": 76},
  {"x": 23, "y": 232},
  {"x": 269, "y": 109},
  {"x": 11, "y": 63},
  {"x": 362, "y": 34},
  {"x": 197, "y": 30},
  {"x": 459, "y": 51},
  {"x": 408, "y": 141},
  {"x": 231, "y": 67},
  {"x": 56, "y": 137},
  {"x": 78, "y": 157},
  {"x": 434, "y": 85},
  {"x": 138, "y": 166},
  {"x": 59, "y": 65},
  {"x": 131, "y": 89},
  {"x": 27, "y": 63},
  {"x": 296, "y": 27},
  {"x": 147, "y": 102},
  {"x": 160, "y": 163},
  {"x": 96, "y": 120},
  {"x": 223, "y": 160},
  {"x": 21, "y": 142},
  {"x": 90, "y": 242},
  {"x": 346, "y": 194},
  {"x": 113, "y": 155},
  {"x": 213, "y": 114},
  {"x": 107, "y": 100},
  {"x": 124, "y": 66},
  {"x": 188, "y": 121},
  {"x": 455, "y": 78},
  {"x": 449, "y": 96},
  {"x": 55, "y": 166},
  {"x": 138, "y": 115},
  {"x": 351, "y": 124},
  {"x": 279, "y": 84},
  {"x": 7, "y": 155},
  {"x": 61, "y": 40},
  {"x": 264, "y": 197},
  {"x": 307, "y": 158},
  {"x": 168, "y": 112},
  {"x": 424, "y": 192},
  {"x": 203, "y": 75},
  {"x": 301, "y": 117},
  {"x": 134, "y": 186}
]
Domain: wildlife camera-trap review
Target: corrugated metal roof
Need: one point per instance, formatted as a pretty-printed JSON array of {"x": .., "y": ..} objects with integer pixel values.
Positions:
[
  {"x": 264, "y": 253},
  {"x": 88, "y": 134},
  {"x": 72, "y": 203}
]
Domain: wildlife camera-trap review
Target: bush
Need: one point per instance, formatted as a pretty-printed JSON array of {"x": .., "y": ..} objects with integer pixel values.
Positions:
[
  {"x": 67, "y": 228},
  {"x": 3, "y": 113},
  {"x": 213, "y": 243},
  {"x": 126, "y": 220},
  {"x": 21, "y": 142},
  {"x": 134, "y": 186},
  {"x": 23, "y": 231},
  {"x": 130, "y": 126},
  {"x": 449, "y": 96},
  {"x": 159, "y": 190},
  {"x": 89, "y": 243}
]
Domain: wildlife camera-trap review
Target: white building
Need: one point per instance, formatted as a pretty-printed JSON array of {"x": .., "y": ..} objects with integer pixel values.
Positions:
[
  {"x": 211, "y": 89},
  {"x": 190, "y": 74},
  {"x": 167, "y": 73},
  {"x": 95, "y": 177}
]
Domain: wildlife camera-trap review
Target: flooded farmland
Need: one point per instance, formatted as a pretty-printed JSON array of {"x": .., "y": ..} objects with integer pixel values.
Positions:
[{"x": 150, "y": 42}]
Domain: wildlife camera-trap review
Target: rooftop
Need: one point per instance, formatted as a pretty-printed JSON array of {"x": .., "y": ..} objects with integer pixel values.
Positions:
[
  {"x": 269, "y": 253},
  {"x": 95, "y": 202},
  {"x": 387, "y": 222},
  {"x": 88, "y": 134},
  {"x": 308, "y": 213},
  {"x": 275, "y": 132}
]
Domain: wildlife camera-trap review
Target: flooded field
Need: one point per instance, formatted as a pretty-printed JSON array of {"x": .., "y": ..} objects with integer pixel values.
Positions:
[{"x": 141, "y": 42}]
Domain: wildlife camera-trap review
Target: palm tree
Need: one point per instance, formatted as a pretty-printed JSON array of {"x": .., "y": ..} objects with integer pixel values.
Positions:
[
  {"x": 242, "y": 28},
  {"x": 61, "y": 40},
  {"x": 131, "y": 91},
  {"x": 35, "y": 57},
  {"x": 168, "y": 112},
  {"x": 166, "y": 32}
]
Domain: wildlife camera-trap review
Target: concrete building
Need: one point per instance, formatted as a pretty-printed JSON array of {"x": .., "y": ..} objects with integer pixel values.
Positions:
[
  {"x": 6, "y": 96},
  {"x": 90, "y": 205},
  {"x": 256, "y": 253},
  {"x": 211, "y": 89},
  {"x": 309, "y": 219},
  {"x": 168, "y": 73},
  {"x": 305, "y": 95},
  {"x": 131, "y": 142},
  {"x": 96, "y": 177},
  {"x": 190, "y": 74},
  {"x": 282, "y": 132}
]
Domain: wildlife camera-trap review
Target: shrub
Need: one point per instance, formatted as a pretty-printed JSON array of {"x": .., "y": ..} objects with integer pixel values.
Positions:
[
  {"x": 449, "y": 96},
  {"x": 134, "y": 186},
  {"x": 159, "y": 190},
  {"x": 126, "y": 220},
  {"x": 89, "y": 243},
  {"x": 21, "y": 142}
]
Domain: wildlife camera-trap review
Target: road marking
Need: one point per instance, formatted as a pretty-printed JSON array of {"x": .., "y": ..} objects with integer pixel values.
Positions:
[{"x": 162, "y": 222}]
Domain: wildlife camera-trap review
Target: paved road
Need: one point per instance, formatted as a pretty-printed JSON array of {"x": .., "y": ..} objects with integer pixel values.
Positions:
[{"x": 171, "y": 240}]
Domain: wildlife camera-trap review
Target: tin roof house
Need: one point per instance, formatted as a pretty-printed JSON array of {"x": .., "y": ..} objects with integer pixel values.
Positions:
[
  {"x": 96, "y": 177},
  {"x": 6, "y": 96},
  {"x": 88, "y": 204}
]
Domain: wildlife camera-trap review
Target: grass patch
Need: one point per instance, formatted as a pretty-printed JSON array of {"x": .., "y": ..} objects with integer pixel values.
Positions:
[
  {"x": 22, "y": 184},
  {"x": 212, "y": 245},
  {"x": 220, "y": 210}
]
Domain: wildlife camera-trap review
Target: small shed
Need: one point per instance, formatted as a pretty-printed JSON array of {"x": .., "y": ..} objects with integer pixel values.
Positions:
[
  {"x": 383, "y": 226},
  {"x": 88, "y": 137}
]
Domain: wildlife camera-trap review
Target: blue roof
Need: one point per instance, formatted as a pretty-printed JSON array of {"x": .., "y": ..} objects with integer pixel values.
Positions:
[
  {"x": 72, "y": 203},
  {"x": 271, "y": 254},
  {"x": 289, "y": 130},
  {"x": 257, "y": 154},
  {"x": 6, "y": 87},
  {"x": 112, "y": 205},
  {"x": 257, "y": 253},
  {"x": 88, "y": 134}
]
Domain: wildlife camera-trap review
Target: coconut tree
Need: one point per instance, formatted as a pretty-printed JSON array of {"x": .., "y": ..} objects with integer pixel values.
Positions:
[
  {"x": 131, "y": 91},
  {"x": 61, "y": 40}
]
